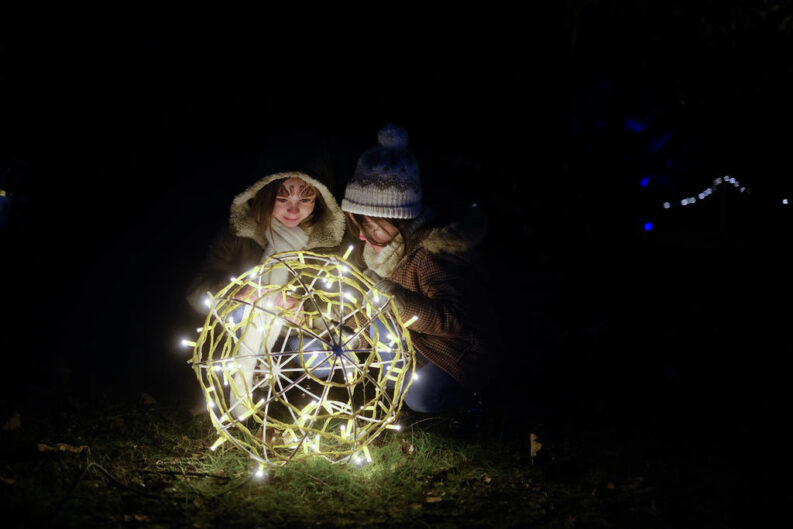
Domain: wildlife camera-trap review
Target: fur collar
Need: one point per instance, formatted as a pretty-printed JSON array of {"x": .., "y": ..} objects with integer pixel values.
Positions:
[
  {"x": 457, "y": 237},
  {"x": 326, "y": 232}
]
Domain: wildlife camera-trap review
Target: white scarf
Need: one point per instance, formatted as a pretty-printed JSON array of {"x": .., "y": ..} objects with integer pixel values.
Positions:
[
  {"x": 385, "y": 261},
  {"x": 281, "y": 239}
]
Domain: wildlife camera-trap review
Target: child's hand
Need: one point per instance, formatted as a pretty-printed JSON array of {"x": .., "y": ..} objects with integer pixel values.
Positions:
[
  {"x": 250, "y": 294},
  {"x": 287, "y": 302}
]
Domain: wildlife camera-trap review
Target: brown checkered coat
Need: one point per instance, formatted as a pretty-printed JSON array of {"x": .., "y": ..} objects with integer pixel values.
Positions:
[{"x": 441, "y": 280}]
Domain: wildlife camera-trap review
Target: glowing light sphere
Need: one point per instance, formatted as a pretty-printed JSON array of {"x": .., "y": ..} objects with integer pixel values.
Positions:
[{"x": 300, "y": 357}]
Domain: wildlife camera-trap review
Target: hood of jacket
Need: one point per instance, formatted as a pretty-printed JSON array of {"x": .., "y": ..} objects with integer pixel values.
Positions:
[{"x": 327, "y": 231}]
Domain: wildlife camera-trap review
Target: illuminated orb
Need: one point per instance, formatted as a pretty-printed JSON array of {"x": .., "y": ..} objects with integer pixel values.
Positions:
[{"x": 301, "y": 357}]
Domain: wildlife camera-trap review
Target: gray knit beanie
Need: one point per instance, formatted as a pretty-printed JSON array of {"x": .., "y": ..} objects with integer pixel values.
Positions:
[{"x": 386, "y": 180}]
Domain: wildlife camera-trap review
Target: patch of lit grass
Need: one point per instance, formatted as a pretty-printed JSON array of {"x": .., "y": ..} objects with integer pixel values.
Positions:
[
  {"x": 151, "y": 465},
  {"x": 145, "y": 465}
]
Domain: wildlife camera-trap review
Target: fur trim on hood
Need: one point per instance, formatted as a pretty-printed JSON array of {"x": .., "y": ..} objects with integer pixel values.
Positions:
[
  {"x": 459, "y": 237},
  {"x": 326, "y": 232}
]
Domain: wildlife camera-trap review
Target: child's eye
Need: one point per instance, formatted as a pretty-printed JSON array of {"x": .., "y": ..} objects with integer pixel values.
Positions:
[
  {"x": 280, "y": 199},
  {"x": 306, "y": 200}
]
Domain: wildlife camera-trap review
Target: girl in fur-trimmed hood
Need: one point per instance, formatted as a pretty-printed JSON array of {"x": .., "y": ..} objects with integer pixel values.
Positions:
[
  {"x": 432, "y": 269},
  {"x": 283, "y": 211}
]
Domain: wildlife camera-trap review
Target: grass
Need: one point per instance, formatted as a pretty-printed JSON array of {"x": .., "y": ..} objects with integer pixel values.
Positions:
[
  {"x": 151, "y": 466},
  {"x": 137, "y": 465}
]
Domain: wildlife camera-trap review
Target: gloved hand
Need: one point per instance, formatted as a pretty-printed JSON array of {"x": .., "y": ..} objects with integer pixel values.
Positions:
[{"x": 381, "y": 291}]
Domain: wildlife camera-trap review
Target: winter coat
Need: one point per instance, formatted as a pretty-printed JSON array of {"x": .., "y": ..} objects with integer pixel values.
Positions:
[
  {"x": 240, "y": 246},
  {"x": 441, "y": 279}
]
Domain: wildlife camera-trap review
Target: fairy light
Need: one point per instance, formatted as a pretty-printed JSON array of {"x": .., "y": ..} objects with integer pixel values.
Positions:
[
  {"x": 252, "y": 379},
  {"x": 188, "y": 343},
  {"x": 348, "y": 252},
  {"x": 709, "y": 191}
]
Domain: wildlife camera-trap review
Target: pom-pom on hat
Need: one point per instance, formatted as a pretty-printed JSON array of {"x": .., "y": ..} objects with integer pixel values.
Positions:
[{"x": 386, "y": 180}]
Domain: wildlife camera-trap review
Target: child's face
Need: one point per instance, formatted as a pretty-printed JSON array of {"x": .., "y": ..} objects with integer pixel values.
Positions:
[
  {"x": 294, "y": 202},
  {"x": 377, "y": 233}
]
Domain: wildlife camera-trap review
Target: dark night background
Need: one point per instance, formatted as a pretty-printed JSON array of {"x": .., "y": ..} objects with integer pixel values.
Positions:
[{"x": 125, "y": 135}]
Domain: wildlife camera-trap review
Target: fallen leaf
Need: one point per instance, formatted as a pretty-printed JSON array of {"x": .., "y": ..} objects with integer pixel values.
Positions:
[
  {"x": 63, "y": 447},
  {"x": 13, "y": 423},
  {"x": 407, "y": 448},
  {"x": 136, "y": 517},
  {"x": 433, "y": 499},
  {"x": 534, "y": 445},
  {"x": 487, "y": 479}
]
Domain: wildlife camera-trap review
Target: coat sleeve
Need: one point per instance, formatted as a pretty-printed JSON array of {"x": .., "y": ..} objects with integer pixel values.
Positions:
[
  {"x": 228, "y": 255},
  {"x": 440, "y": 301}
]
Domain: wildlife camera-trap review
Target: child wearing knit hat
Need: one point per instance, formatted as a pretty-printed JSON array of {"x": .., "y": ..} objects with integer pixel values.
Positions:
[{"x": 431, "y": 268}]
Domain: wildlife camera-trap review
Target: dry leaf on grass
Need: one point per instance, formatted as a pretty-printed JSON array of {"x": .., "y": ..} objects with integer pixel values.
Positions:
[
  {"x": 535, "y": 445},
  {"x": 136, "y": 518},
  {"x": 433, "y": 499},
  {"x": 63, "y": 447},
  {"x": 407, "y": 448}
]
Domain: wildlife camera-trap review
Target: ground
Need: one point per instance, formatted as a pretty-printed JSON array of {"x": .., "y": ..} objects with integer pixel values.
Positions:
[{"x": 645, "y": 390}]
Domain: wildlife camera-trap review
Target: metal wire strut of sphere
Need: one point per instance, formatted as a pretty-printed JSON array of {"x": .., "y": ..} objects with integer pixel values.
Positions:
[{"x": 300, "y": 357}]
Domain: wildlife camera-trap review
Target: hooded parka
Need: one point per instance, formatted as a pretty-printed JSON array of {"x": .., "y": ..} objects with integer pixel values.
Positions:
[
  {"x": 241, "y": 245},
  {"x": 441, "y": 279}
]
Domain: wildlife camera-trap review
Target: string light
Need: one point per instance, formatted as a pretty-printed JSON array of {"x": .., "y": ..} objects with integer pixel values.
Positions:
[
  {"x": 285, "y": 391},
  {"x": 708, "y": 191}
]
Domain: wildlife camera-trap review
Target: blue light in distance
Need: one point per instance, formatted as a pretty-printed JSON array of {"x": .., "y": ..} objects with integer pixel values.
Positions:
[
  {"x": 648, "y": 226},
  {"x": 644, "y": 182},
  {"x": 634, "y": 125}
]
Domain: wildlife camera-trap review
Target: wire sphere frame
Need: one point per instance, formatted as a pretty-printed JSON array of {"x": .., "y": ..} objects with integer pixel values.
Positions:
[{"x": 335, "y": 332}]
